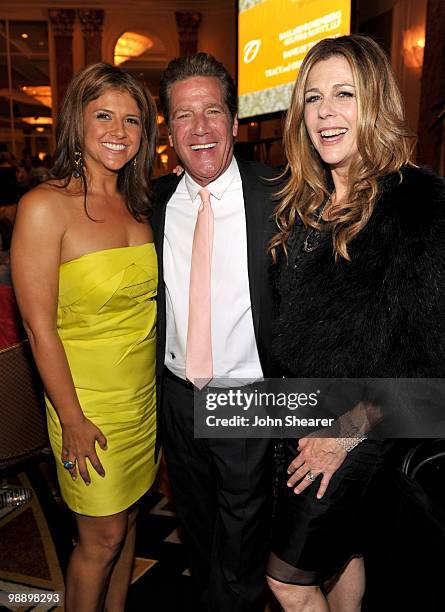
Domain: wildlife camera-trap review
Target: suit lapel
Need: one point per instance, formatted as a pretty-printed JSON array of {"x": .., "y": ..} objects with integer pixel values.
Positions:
[
  {"x": 164, "y": 188},
  {"x": 254, "y": 196}
]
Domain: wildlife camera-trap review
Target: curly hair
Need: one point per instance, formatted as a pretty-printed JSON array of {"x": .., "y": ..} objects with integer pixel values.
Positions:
[
  {"x": 384, "y": 145},
  {"x": 88, "y": 85}
]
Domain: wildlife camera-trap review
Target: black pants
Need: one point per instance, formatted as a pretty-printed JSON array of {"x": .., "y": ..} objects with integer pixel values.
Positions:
[{"x": 222, "y": 490}]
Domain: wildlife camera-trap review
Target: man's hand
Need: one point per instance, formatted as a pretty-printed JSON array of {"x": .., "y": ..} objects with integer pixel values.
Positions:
[{"x": 178, "y": 170}]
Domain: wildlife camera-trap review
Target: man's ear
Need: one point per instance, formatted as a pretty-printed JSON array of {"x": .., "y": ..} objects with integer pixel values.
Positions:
[{"x": 235, "y": 126}]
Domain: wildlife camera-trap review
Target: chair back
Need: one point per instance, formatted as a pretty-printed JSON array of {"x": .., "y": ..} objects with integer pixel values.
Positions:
[
  {"x": 23, "y": 430},
  {"x": 423, "y": 472}
]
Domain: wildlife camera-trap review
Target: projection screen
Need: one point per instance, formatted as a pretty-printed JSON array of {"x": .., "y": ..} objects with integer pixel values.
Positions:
[{"x": 273, "y": 38}]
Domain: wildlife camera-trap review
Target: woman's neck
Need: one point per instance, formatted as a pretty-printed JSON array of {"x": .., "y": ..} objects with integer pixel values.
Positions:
[
  {"x": 340, "y": 178},
  {"x": 102, "y": 183}
]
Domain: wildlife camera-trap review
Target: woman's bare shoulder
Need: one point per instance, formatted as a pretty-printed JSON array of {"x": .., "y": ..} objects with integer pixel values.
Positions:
[
  {"x": 46, "y": 204},
  {"x": 50, "y": 195}
]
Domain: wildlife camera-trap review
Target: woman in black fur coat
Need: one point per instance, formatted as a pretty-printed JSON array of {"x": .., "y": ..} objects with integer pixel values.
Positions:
[{"x": 361, "y": 277}]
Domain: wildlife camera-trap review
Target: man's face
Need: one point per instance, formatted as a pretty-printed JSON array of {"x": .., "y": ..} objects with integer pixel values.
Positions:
[{"x": 201, "y": 128}]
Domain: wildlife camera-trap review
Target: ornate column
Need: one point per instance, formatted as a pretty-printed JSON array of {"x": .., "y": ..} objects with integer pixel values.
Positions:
[
  {"x": 432, "y": 98},
  {"x": 188, "y": 27},
  {"x": 62, "y": 22},
  {"x": 91, "y": 22}
]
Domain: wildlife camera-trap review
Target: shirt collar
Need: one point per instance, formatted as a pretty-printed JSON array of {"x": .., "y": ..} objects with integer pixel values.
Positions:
[{"x": 217, "y": 187}]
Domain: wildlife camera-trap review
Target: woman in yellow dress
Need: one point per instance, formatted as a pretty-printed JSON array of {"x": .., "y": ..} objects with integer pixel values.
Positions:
[{"x": 85, "y": 275}]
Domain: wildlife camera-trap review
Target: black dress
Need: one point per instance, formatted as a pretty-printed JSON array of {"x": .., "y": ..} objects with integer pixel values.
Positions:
[
  {"x": 380, "y": 315},
  {"x": 314, "y": 539}
]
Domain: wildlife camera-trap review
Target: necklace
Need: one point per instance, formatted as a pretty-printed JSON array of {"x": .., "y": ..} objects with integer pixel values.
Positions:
[{"x": 313, "y": 237}]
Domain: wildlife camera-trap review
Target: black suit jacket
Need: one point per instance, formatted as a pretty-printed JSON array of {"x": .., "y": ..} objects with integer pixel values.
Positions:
[{"x": 259, "y": 199}]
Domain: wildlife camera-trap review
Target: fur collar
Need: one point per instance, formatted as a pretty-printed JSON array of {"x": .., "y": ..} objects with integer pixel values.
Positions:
[{"x": 383, "y": 313}]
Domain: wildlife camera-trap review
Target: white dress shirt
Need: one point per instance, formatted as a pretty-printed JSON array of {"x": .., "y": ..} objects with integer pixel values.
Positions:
[{"x": 235, "y": 353}]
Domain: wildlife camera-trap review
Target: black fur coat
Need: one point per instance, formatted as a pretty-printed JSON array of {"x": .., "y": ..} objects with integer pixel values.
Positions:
[{"x": 383, "y": 313}]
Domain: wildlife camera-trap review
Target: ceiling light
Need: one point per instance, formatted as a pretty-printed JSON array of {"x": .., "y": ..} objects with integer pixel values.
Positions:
[
  {"x": 24, "y": 35},
  {"x": 129, "y": 46},
  {"x": 38, "y": 120},
  {"x": 42, "y": 93}
]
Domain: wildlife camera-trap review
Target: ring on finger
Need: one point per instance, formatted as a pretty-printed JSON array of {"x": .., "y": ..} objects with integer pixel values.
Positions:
[
  {"x": 68, "y": 465},
  {"x": 310, "y": 476}
]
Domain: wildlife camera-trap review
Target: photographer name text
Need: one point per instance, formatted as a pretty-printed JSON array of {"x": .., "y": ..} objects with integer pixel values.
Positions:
[{"x": 268, "y": 421}]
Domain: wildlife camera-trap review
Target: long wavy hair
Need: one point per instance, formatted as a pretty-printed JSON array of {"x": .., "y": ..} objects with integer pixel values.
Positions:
[
  {"x": 133, "y": 179},
  {"x": 384, "y": 145}
]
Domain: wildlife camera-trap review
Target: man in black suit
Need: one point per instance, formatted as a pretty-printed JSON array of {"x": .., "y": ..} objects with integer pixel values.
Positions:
[{"x": 221, "y": 487}]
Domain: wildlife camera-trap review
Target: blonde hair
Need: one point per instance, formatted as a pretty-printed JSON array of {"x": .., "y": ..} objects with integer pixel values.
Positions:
[{"x": 384, "y": 145}]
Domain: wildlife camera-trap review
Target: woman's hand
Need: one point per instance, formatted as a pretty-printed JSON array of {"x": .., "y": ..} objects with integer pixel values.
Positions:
[
  {"x": 78, "y": 443},
  {"x": 316, "y": 456}
]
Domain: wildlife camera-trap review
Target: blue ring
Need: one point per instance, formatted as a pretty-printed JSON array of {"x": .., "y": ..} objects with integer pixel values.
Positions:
[{"x": 68, "y": 465}]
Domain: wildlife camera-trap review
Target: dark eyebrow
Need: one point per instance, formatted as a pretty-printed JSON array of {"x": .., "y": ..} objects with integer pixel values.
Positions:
[
  {"x": 181, "y": 109},
  {"x": 185, "y": 109},
  {"x": 106, "y": 110}
]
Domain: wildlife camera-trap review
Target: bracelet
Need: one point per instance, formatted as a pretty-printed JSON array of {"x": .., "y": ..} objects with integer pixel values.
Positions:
[{"x": 348, "y": 444}]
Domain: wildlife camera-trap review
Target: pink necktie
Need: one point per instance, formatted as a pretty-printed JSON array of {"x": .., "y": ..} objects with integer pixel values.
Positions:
[{"x": 199, "y": 362}]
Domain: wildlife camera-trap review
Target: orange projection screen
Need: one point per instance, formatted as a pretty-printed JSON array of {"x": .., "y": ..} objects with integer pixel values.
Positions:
[{"x": 273, "y": 38}]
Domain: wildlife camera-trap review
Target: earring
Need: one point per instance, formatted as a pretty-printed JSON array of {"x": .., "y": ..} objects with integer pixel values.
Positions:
[
  {"x": 78, "y": 163},
  {"x": 135, "y": 163}
]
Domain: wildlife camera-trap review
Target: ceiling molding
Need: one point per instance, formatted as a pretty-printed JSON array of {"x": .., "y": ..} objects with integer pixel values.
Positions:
[{"x": 152, "y": 6}]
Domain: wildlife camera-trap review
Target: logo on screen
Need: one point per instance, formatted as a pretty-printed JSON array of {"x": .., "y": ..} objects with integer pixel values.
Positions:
[{"x": 251, "y": 50}]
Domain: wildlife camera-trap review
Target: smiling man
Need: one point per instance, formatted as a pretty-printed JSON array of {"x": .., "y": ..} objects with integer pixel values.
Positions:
[{"x": 213, "y": 323}]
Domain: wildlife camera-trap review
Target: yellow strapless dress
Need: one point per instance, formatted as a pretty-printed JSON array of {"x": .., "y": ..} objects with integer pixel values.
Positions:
[{"x": 106, "y": 320}]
